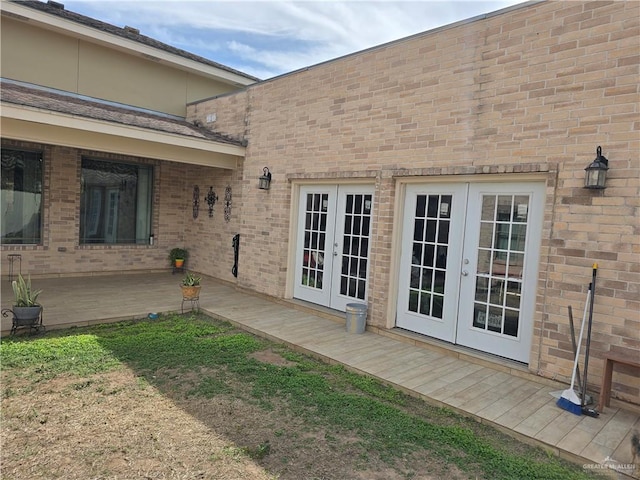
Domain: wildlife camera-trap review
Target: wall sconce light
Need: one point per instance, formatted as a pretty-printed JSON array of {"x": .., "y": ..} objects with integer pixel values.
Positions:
[
  {"x": 265, "y": 179},
  {"x": 596, "y": 172},
  {"x": 211, "y": 198}
]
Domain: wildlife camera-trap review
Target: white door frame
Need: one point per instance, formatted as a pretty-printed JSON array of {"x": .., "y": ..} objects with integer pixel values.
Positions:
[
  {"x": 420, "y": 268},
  {"x": 533, "y": 244},
  {"x": 352, "y": 277},
  {"x": 516, "y": 347}
]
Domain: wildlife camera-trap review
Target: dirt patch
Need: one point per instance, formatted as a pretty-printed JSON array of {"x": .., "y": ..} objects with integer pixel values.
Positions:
[
  {"x": 274, "y": 358},
  {"x": 120, "y": 426}
]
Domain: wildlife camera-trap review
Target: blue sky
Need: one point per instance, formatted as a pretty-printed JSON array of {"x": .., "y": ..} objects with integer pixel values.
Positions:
[{"x": 266, "y": 38}]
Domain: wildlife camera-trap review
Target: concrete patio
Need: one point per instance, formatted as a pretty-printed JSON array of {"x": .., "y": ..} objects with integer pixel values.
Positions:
[{"x": 499, "y": 393}]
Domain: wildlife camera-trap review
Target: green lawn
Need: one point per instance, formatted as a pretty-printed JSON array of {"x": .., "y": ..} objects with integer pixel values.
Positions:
[{"x": 197, "y": 359}]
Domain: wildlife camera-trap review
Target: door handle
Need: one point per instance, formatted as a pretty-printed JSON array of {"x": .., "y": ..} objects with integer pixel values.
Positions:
[{"x": 465, "y": 273}]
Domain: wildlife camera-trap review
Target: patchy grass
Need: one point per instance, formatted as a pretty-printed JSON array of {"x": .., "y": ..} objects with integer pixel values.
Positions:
[{"x": 189, "y": 397}]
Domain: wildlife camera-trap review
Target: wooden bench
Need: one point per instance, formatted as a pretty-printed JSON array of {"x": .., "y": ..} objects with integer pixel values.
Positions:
[{"x": 610, "y": 359}]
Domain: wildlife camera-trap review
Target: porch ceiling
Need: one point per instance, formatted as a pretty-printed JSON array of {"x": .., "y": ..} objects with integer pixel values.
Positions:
[
  {"x": 69, "y": 131},
  {"x": 36, "y": 114}
]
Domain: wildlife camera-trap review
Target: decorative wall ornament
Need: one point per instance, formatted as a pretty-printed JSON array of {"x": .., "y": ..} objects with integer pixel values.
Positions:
[
  {"x": 236, "y": 251},
  {"x": 227, "y": 203},
  {"x": 212, "y": 198},
  {"x": 196, "y": 201}
]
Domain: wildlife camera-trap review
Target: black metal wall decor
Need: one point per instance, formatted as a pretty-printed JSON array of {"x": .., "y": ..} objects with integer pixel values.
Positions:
[
  {"x": 227, "y": 203},
  {"x": 196, "y": 201},
  {"x": 236, "y": 249},
  {"x": 212, "y": 198}
]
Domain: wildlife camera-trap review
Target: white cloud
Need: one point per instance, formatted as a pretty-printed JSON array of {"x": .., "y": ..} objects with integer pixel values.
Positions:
[{"x": 267, "y": 38}]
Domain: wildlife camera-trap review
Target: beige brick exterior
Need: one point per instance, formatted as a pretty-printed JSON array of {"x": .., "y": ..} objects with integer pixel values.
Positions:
[
  {"x": 173, "y": 222},
  {"x": 528, "y": 93},
  {"x": 531, "y": 91}
]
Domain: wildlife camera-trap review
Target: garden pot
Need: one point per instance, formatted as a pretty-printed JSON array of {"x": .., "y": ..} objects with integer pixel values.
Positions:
[
  {"x": 190, "y": 292},
  {"x": 25, "y": 316},
  {"x": 179, "y": 262}
]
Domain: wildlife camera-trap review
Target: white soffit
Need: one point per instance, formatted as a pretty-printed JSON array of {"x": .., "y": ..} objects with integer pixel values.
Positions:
[{"x": 34, "y": 125}]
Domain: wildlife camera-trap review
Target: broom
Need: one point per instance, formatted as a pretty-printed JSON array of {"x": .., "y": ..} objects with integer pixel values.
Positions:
[
  {"x": 569, "y": 400},
  {"x": 592, "y": 412}
]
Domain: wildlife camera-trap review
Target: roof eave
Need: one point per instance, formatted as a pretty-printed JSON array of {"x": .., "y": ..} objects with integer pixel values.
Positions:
[
  {"x": 44, "y": 126},
  {"x": 84, "y": 32}
]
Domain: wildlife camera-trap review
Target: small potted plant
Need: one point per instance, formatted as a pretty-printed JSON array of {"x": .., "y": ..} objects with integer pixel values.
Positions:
[
  {"x": 26, "y": 309},
  {"x": 177, "y": 257},
  {"x": 190, "y": 286}
]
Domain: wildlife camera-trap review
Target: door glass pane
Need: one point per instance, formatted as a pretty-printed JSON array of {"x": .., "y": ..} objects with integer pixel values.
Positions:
[
  {"x": 355, "y": 243},
  {"x": 498, "y": 282},
  {"x": 314, "y": 240},
  {"x": 430, "y": 250}
]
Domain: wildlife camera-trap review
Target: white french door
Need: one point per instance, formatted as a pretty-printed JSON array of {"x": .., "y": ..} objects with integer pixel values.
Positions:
[
  {"x": 333, "y": 244},
  {"x": 430, "y": 263},
  {"x": 469, "y": 264}
]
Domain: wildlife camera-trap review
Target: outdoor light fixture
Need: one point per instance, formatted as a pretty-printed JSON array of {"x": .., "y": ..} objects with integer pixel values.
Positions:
[
  {"x": 265, "y": 179},
  {"x": 596, "y": 171}
]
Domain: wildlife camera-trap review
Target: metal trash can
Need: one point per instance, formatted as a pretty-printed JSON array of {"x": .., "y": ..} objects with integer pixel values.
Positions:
[{"x": 356, "y": 314}]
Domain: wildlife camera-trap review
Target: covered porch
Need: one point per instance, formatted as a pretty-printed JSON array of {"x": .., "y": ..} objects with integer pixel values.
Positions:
[{"x": 500, "y": 394}]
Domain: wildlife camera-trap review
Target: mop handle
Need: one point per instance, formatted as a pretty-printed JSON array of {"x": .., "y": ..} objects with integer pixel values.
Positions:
[
  {"x": 584, "y": 318},
  {"x": 588, "y": 346}
]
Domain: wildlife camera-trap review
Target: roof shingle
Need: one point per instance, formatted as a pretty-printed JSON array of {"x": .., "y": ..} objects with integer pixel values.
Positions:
[{"x": 20, "y": 94}]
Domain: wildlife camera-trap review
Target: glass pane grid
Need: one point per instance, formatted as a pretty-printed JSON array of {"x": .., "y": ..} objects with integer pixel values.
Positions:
[
  {"x": 500, "y": 263},
  {"x": 429, "y": 258},
  {"x": 355, "y": 243},
  {"x": 314, "y": 240}
]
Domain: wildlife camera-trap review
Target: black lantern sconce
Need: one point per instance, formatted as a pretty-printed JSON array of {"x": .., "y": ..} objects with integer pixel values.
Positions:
[
  {"x": 596, "y": 172},
  {"x": 265, "y": 179},
  {"x": 211, "y": 198}
]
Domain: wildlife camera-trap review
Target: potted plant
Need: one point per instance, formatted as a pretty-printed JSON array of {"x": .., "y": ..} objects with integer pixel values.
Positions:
[
  {"x": 190, "y": 286},
  {"x": 177, "y": 257},
  {"x": 26, "y": 309}
]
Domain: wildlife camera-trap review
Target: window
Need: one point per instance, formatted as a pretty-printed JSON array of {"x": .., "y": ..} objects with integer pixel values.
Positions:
[
  {"x": 115, "y": 205},
  {"x": 21, "y": 197}
]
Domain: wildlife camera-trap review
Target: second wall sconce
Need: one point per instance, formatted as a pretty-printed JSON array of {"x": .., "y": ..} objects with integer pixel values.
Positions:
[
  {"x": 596, "y": 173},
  {"x": 265, "y": 179}
]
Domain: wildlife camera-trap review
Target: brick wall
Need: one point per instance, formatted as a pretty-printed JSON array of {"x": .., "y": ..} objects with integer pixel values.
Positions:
[
  {"x": 61, "y": 253},
  {"x": 534, "y": 89}
]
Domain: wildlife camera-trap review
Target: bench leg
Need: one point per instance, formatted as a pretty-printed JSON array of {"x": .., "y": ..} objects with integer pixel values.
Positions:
[{"x": 605, "y": 391}]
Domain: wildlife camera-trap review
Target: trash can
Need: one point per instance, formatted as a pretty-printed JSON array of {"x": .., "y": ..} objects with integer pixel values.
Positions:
[{"x": 356, "y": 315}]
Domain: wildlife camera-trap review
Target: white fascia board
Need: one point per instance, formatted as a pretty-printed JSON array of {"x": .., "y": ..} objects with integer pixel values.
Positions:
[
  {"x": 56, "y": 128},
  {"x": 93, "y": 35}
]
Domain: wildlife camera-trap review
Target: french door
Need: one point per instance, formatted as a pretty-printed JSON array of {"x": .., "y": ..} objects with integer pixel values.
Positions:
[
  {"x": 469, "y": 263},
  {"x": 333, "y": 244}
]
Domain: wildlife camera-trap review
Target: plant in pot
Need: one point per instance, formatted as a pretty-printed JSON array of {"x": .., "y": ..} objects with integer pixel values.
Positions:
[
  {"x": 26, "y": 309},
  {"x": 177, "y": 257},
  {"x": 190, "y": 286}
]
